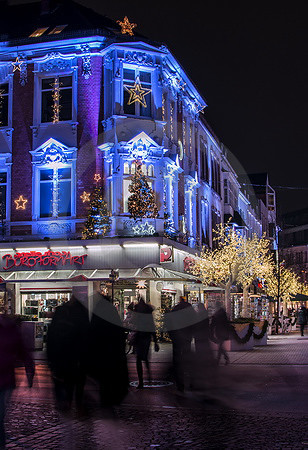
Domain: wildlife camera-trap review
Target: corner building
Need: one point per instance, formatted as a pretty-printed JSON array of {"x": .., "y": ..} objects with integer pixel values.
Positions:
[{"x": 82, "y": 99}]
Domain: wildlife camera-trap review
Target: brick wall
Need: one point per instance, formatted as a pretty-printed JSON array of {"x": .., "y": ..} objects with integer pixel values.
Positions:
[
  {"x": 21, "y": 146},
  {"x": 89, "y": 159}
]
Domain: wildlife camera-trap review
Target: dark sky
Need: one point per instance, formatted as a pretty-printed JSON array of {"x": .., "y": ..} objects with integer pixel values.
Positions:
[{"x": 249, "y": 61}]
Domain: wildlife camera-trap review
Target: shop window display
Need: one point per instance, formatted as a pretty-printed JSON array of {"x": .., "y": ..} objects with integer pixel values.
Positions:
[{"x": 41, "y": 306}]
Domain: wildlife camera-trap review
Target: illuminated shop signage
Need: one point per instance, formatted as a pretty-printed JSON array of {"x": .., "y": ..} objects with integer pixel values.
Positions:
[
  {"x": 48, "y": 258},
  {"x": 189, "y": 262},
  {"x": 166, "y": 253}
]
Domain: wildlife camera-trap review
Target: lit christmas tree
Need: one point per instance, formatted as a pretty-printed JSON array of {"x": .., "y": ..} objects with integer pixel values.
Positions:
[
  {"x": 98, "y": 222},
  {"x": 141, "y": 202}
]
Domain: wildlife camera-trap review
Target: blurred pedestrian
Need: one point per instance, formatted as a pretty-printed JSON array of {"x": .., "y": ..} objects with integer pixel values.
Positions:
[
  {"x": 201, "y": 332},
  {"x": 66, "y": 352},
  {"x": 302, "y": 318},
  {"x": 145, "y": 332},
  {"x": 128, "y": 324},
  {"x": 220, "y": 329},
  {"x": 204, "y": 362},
  {"x": 12, "y": 351},
  {"x": 179, "y": 322},
  {"x": 106, "y": 352}
]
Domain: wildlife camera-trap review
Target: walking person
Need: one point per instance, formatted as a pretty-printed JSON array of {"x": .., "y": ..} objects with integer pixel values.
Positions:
[
  {"x": 179, "y": 324},
  {"x": 128, "y": 324},
  {"x": 12, "y": 351},
  {"x": 66, "y": 352},
  {"x": 106, "y": 352},
  {"x": 302, "y": 318},
  {"x": 220, "y": 329},
  {"x": 145, "y": 332},
  {"x": 201, "y": 333},
  {"x": 203, "y": 359}
]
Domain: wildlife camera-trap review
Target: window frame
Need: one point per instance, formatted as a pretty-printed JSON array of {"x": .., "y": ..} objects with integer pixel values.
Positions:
[
  {"x": 37, "y": 107},
  {"x": 146, "y": 85},
  {"x": 53, "y": 168},
  {"x": 9, "y": 82},
  {"x": 36, "y": 189},
  {"x": 4, "y": 170}
]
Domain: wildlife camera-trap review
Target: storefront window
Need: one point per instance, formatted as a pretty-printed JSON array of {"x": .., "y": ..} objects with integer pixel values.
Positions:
[{"x": 42, "y": 305}]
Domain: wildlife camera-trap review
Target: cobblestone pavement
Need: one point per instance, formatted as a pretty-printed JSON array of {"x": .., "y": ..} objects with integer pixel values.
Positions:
[
  {"x": 259, "y": 401},
  {"x": 158, "y": 427}
]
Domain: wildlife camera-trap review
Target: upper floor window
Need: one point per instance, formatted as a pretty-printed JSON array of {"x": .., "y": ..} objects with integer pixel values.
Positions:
[
  {"x": 204, "y": 161},
  {"x": 3, "y": 190},
  {"x": 137, "y": 98},
  {"x": 4, "y": 105},
  {"x": 55, "y": 191},
  {"x": 56, "y": 99}
]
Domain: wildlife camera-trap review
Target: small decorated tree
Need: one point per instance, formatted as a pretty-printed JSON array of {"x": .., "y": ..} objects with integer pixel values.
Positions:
[
  {"x": 141, "y": 202},
  {"x": 98, "y": 221}
]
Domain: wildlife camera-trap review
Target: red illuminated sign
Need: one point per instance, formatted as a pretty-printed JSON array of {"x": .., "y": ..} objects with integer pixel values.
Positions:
[
  {"x": 166, "y": 254},
  {"x": 189, "y": 262},
  {"x": 49, "y": 258}
]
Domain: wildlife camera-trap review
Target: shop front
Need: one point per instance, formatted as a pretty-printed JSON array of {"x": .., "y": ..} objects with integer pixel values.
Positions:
[{"x": 36, "y": 278}]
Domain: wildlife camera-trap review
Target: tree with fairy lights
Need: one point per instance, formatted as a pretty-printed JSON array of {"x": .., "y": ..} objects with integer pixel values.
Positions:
[
  {"x": 141, "y": 202},
  {"x": 235, "y": 260},
  {"x": 282, "y": 283},
  {"x": 98, "y": 221}
]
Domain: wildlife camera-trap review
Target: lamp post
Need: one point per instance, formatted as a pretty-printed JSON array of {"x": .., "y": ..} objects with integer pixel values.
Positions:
[{"x": 113, "y": 276}]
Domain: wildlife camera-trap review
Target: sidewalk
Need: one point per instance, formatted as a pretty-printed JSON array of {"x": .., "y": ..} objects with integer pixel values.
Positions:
[{"x": 258, "y": 401}]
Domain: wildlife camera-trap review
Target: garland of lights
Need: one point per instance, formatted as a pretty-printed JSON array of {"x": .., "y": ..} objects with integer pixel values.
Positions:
[
  {"x": 56, "y": 100},
  {"x": 245, "y": 339}
]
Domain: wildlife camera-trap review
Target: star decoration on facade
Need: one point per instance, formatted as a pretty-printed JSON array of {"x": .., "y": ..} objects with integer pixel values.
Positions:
[
  {"x": 137, "y": 93},
  {"x": 17, "y": 64},
  {"x": 85, "y": 197},
  {"x": 126, "y": 26},
  {"x": 97, "y": 177},
  {"x": 141, "y": 284},
  {"x": 21, "y": 202},
  {"x": 143, "y": 229}
]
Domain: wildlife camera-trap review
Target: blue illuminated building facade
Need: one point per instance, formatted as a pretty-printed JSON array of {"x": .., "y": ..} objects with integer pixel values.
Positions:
[{"x": 82, "y": 101}]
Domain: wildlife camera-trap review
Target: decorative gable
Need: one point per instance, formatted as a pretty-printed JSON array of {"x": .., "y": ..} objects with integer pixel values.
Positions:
[
  {"x": 53, "y": 152},
  {"x": 141, "y": 147}
]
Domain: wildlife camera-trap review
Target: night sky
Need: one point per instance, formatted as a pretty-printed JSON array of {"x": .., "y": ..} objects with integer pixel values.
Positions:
[{"x": 249, "y": 61}]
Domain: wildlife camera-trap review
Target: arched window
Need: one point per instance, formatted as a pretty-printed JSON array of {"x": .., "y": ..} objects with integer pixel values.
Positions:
[
  {"x": 144, "y": 169},
  {"x": 126, "y": 168},
  {"x": 151, "y": 170},
  {"x": 133, "y": 168}
]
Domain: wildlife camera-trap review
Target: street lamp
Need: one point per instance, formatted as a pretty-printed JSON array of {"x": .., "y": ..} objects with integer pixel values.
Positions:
[{"x": 113, "y": 276}]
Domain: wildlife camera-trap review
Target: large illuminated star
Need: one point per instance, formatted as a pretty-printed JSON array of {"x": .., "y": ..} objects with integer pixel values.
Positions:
[
  {"x": 137, "y": 93},
  {"x": 20, "y": 202},
  {"x": 126, "y": 26},
  {"x": 17, "y": 64}
]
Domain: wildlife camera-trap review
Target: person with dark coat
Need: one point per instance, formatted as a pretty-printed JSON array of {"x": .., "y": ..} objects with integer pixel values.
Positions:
[
  {"x": 106, "y": 352},
  {"x": 66, "y": 352},
  {"x": 145, "y": 332},
  {"x": 220, "y": 330},
  {"x": 179, "y": 323},
  {"x": 129, "y": 325},
  {"x": 12, "y": 351},
  {"x": 302, "y": 318},
  {"x": 201, "y": 332}
]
